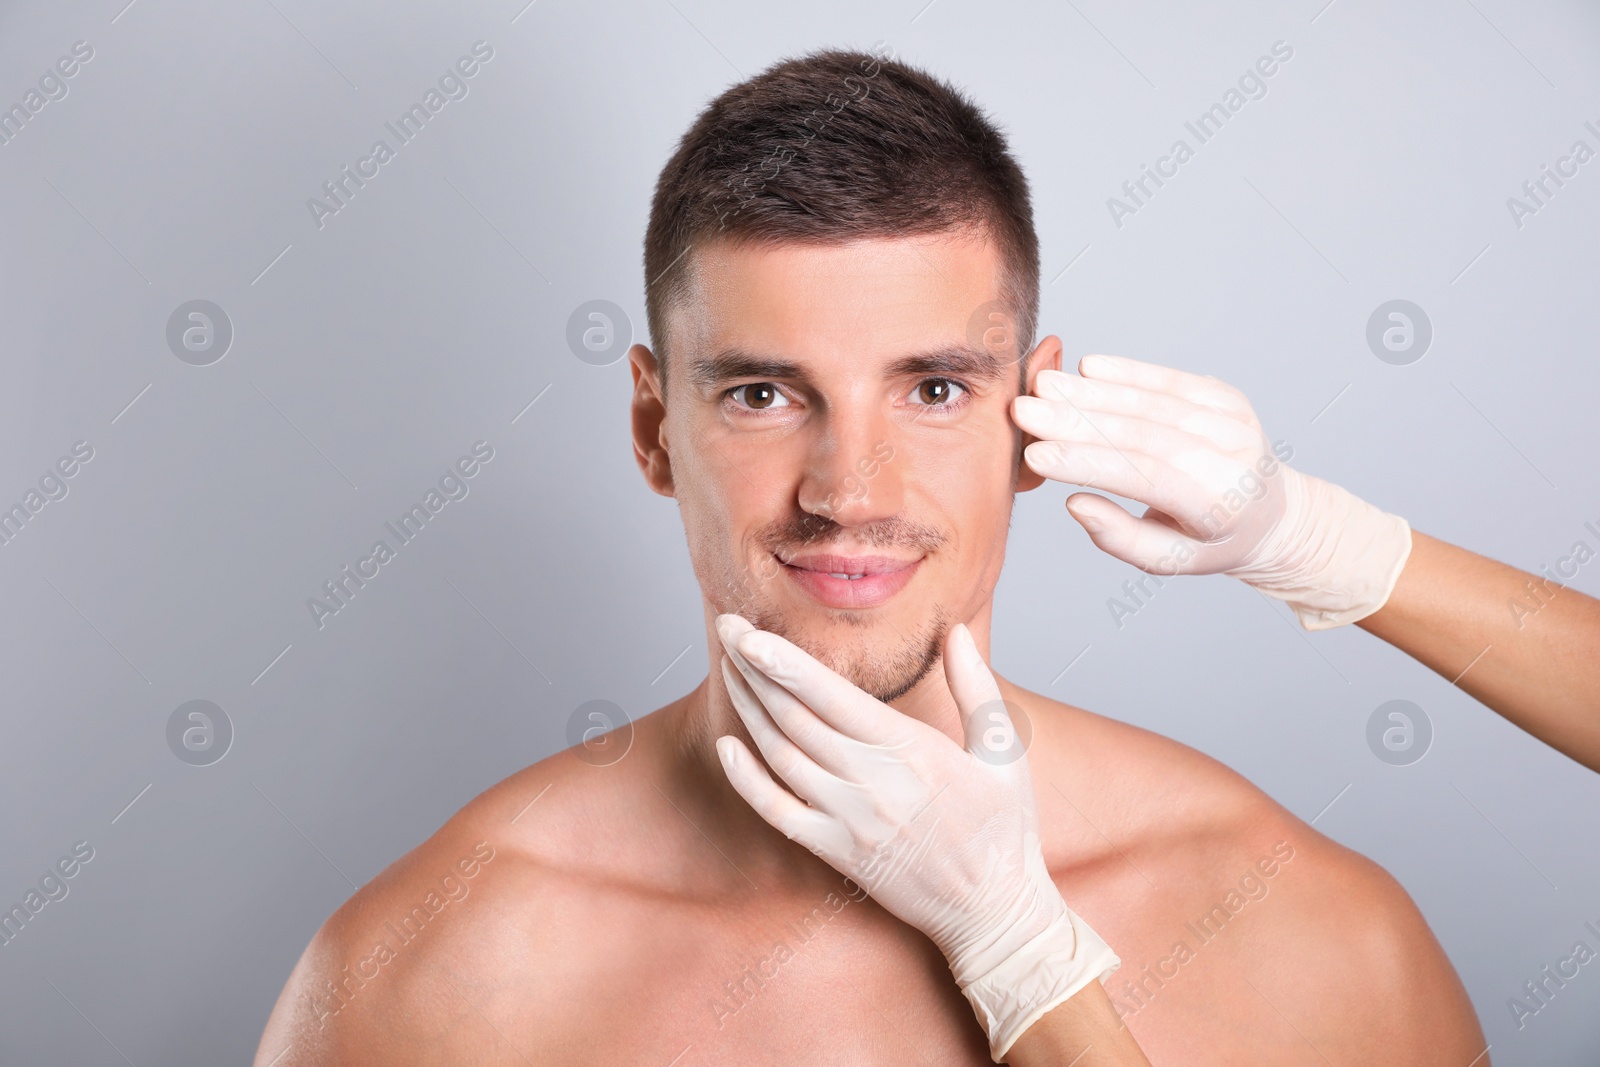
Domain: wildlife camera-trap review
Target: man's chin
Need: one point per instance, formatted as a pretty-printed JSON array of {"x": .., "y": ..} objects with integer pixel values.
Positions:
[{"x": 886, "y": 665}]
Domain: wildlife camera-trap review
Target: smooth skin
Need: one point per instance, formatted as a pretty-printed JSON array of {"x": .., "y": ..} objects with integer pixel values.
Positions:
[
  {"x": 641, "y": 912},
  {"x": 1084, "y": 1031},
  {"x": 1523, "y": 646}
]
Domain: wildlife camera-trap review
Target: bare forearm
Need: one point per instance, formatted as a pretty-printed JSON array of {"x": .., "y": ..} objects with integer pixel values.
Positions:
[
  {"x": 1083, "y": 1031},
  {"x": 1527, "y": 648}
]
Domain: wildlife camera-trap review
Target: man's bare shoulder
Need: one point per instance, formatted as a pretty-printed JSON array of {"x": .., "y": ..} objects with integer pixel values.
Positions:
[
  {"x": 499, "y": 907},
  {"x": 1209, "y": 887}
]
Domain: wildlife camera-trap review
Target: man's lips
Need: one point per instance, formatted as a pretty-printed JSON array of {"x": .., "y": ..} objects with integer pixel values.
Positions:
[
  {"x": 851, "y": 581},
  {"x": 852, "y": 565}
]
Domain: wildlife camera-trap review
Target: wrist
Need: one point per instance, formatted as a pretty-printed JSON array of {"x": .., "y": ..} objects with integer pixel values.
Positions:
[
  {"x": 1334, "y": 558},
  {"x": 1033, "y": 955},
  {"x": 1048, "y": 969}
]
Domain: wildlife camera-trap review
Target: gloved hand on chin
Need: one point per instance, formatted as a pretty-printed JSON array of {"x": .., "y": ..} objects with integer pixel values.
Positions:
[{"x": 942, "y": 837}]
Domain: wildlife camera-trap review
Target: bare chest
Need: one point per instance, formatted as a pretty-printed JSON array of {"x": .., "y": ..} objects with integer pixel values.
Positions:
[
  {"x": 825, "y": 981},
  {"x": 827, "y": 977}
]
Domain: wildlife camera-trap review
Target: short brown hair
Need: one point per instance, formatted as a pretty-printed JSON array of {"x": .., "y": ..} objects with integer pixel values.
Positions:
[{"x": 835, "y": 146}]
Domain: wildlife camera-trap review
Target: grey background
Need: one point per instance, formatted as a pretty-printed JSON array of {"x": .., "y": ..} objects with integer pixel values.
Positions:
[{"x": 371, "y": 353}]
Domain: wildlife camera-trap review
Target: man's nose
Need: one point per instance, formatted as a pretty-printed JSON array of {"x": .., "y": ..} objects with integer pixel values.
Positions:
[{"x": 851, "y": 474}]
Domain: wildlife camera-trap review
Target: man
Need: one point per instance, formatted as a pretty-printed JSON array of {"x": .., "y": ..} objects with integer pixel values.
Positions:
[{"x": 827, "y": 251}]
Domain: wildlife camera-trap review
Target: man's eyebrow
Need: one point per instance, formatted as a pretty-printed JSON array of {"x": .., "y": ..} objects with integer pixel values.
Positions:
[
  {"x": 958, "y": 360},
  {"x": 733, "y": 363}
]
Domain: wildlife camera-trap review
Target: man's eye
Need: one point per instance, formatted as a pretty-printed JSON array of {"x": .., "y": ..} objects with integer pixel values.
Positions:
[
  {"x": 937, "y": 392},
  {"x": 758, "y": 396}
]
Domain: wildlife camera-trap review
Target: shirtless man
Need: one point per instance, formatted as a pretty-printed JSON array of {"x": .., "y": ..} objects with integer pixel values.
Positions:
[{"x": 816, "y": 397}]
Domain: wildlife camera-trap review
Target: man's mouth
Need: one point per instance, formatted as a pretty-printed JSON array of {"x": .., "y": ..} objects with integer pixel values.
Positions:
[{"x": 850, "y": 581}]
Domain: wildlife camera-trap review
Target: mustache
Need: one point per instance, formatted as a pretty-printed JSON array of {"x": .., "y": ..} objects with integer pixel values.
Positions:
[{"x": 807, "y": 530}]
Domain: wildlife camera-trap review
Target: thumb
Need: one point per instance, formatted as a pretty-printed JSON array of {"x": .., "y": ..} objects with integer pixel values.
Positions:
[
  {"x": 976, "y": 693},
  {"x": 1146, "y": 543}
]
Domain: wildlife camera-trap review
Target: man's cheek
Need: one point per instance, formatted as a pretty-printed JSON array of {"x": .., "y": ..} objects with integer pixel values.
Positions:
[{"x": 987, "y": 449}]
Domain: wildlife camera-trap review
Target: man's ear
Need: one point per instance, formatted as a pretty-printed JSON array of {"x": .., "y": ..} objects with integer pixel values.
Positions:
[
  {"x": 649, "y": 415},
  {"x": 1046, "y": 354}
]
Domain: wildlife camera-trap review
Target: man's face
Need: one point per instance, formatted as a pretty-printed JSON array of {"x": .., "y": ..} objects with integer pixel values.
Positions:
[{"x": 833, "y": 411}]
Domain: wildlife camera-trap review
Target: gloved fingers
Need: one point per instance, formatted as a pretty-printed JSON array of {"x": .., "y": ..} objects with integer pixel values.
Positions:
[
  {"x": 1204, "y": 492},
  {"x": 787, "y": 760},
  {"x": 1150, "y": 545},
  {"x": 1197, "y": 388},
  {"x": 972, "y": 684},
  {"x": 1092, "y": 395},
  {"x": 781, "y": 810},
  {"x": 971, "y": 681},
  {"x": 832, "y": 699},
  {"x": 1138, "y": 477},
  {"x": 1063, "y": 420},
  {"x": 807, "y": 731}
]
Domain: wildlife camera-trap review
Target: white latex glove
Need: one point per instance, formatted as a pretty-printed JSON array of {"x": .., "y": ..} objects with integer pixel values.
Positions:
[
  {"x": 1219, "y": 500},
  {"x": 944, "y": 839}
]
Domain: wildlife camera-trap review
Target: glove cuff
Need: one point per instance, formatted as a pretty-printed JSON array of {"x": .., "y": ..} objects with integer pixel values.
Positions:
[
  {"x": 1337, "y": 556},
  {"x": 1048, "y": 969}
]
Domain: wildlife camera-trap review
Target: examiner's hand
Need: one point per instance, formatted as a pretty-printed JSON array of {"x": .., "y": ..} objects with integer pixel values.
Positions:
[
  {"x": 944, "y": 839},
  {"x": 1219, "y": 500}
]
